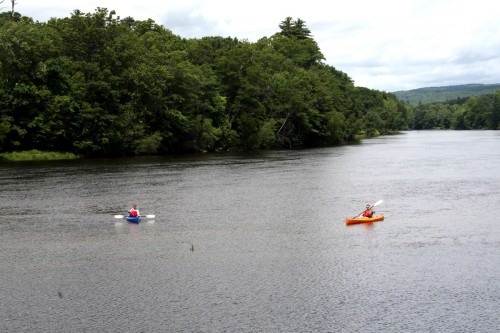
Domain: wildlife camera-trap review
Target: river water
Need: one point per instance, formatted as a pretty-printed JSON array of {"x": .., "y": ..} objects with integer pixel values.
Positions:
[{"x": 257, "y": 242}]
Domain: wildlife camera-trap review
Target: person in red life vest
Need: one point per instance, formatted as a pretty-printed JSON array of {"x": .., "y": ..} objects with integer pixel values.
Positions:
[
  {"x": 368, "y": 212},
  {"x": 133, "y": 211}
]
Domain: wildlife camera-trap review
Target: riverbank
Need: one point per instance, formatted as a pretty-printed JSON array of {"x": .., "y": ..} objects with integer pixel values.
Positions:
[{"x": 37, "y": 155}]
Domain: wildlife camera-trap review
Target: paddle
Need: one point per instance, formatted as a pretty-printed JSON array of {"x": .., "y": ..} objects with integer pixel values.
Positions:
[
  {"x": 147, "y": 216},
  {"x": 374, "y": 205}
]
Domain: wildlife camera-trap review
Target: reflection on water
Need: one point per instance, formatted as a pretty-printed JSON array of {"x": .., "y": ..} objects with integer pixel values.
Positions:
[{"x": 258, "y": 242}]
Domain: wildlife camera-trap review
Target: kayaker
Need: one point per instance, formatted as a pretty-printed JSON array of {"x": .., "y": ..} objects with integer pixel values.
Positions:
[
  {"x": 368, "y": 212},
  {"x": 133, "y": 211}
]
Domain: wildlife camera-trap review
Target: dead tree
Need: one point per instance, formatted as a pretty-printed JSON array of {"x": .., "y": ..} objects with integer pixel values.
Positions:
[
  {"x": 282, "y": 136},
  {"x": 14, "y": 3}
]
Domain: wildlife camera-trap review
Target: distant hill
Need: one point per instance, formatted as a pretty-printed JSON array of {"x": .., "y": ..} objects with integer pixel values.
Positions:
[{"x": 447, "y": 93}]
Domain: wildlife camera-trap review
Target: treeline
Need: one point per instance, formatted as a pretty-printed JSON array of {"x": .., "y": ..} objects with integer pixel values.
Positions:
[
  {"x": 95, "y": 84},
  {"x": 478, "y": 112},
  {"x": 446, "y": 93}
]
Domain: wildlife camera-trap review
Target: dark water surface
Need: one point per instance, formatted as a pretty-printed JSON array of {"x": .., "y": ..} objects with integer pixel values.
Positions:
[{"x": 258, "y": 242}]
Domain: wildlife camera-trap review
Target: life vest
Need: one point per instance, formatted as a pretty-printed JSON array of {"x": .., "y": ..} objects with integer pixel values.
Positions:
[
  {"x": 367, "y": 213},
  {"x": 133, "y": 212}
]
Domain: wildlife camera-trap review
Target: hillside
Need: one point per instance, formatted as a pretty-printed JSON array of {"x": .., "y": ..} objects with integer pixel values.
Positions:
[{"x": 446, "y": 93}]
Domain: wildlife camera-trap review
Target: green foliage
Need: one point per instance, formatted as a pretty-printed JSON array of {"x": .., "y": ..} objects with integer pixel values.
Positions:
[
  {"x": 295, "y": 43},
  {"x": 266, "y": 134},
  {"x": 495, "y": 112},
  {"x": 206, "y": 135},
  {"x": 95, "y": 84},
  {"x": 478, "y": 112},
  {"x": 37, "y": 155},
  {"x": 148, "y": 145}
]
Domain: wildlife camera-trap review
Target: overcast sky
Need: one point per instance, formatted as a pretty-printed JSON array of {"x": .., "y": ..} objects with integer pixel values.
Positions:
[{"x": 388, "y": 45}]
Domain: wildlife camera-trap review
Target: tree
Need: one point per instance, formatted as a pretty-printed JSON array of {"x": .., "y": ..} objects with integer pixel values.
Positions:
[
  {"x": 479, "y": 111},
  {"x": 13, "y": 3},
  {"x": 294, "y": 29},
  {"x": 295, "y": 42},
  {"x": 12, "y": 12},
  {"x": 95, "y": 84},
  {"x": 28, "y": 76},
  {"x": 495, "y": 117}
]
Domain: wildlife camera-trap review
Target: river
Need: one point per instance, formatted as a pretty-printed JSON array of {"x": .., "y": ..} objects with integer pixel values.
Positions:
[{"x": 257, "y": 242}]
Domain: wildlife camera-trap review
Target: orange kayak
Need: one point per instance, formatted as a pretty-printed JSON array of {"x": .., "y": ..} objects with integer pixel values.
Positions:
[{"x": 364, "y": 219}]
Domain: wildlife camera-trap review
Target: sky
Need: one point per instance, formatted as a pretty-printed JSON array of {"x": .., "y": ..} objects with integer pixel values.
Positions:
[{"x": 387, "y": 45}]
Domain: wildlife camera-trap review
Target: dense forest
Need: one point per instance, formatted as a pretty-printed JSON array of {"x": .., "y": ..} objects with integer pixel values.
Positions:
[
  {"x": 98, "y": 85},
  {"x": 445, "y": 93},
  {"x": 477, "y": 112}
]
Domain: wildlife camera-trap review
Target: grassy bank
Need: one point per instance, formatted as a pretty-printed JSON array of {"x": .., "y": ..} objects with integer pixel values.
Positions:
[{"x": 36, "y": 155}]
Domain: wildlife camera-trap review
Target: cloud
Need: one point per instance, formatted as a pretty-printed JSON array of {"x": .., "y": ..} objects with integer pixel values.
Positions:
[{"x": 386, "y": 45}]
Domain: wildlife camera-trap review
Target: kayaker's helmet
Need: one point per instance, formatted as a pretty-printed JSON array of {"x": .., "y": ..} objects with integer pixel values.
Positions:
[{"x": 367, "y": 206}]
